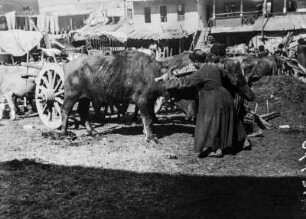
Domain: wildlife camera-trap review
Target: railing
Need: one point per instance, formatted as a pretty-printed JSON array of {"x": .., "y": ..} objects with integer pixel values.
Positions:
[{"x": 235, "y": 18}]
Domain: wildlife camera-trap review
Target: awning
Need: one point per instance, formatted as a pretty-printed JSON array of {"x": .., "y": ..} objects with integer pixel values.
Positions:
[
  {"x": 19, "y": 42},
  {"x": 69, "y": 12},
  {"x": 129, "y": 29},
  {"x": 288, "y": 22},
  {"x": 238, "y": 29},
  {"x": 88, "y": 30},
  {"x": 144, "y": 35},
  {"x": 112, "y": 36}
]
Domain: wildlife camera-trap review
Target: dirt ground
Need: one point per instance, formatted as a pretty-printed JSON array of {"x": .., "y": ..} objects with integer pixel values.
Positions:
[{"x": 116, "y": 174}]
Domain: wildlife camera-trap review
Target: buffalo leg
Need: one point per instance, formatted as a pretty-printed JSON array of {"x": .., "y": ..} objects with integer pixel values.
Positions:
[
  {"x": 2, "y": 108},
  {"x": 32, "y": 104},
  {"x": 83, "y": 110},
  {"x": 105, "y": 109},
  {"x": 152, "y": 113},
  {"x": 122, "y": 109},
  {"x": 118, "y": 107},
  {"x": 98, "y": 115},
  {"x": 15, "y": 104},
  {"x": 135, "y": 114},
  {"x": 112, "y": 110},
  {"x": 10, "y": 101},
  {"x": 66, "y": 109},
  {"x": 146, "y": 121}
]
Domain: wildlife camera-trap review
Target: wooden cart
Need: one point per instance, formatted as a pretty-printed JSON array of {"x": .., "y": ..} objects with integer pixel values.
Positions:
[{"x": 49, "y": 92}]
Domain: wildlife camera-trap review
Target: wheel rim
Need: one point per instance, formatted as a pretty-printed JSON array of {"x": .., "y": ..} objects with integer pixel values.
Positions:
[{"x": 49, "y": 95}]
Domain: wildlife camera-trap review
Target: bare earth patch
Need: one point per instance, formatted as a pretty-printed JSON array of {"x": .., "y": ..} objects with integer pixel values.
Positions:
[{"x": 116, "y": 174}]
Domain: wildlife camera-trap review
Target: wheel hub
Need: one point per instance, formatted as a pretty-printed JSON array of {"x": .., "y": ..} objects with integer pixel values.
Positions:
[{"x": 50, "y": 97}]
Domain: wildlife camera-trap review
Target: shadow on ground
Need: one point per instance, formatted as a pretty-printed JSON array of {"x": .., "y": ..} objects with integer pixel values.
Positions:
[
  {"x": 33, "y": 190},
  {"x": 160, "y": 130},
  {"x": 164, "y": 127}
]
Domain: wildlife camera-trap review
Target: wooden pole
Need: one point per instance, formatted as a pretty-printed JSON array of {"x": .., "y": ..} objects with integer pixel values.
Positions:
[
  {"x": 214, "y": 11},
  {"x": 241, "y": 8},
  {"x": 241, "y": 11},
  {"x": 285, "y": 7},
  {"x": 70, "y": 23},
  {"x": 28, "y": 61},
  {"x": 24, "y": 98},
  {"x": 264, "y": 8}
]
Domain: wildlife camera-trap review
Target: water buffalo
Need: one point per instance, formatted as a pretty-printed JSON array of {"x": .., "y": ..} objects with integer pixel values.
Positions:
[
  {"x": 255, "y": 68},
  {"x": 12, "y": 85},
  {"x": 184, "y": 100},
  {"x": 122, "y": 78}
]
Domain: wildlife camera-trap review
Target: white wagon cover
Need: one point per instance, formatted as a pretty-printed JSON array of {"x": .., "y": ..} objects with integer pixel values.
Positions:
[{"x": 19, "y": 42}]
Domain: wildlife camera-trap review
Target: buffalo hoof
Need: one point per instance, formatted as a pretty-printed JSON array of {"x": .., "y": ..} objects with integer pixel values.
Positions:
[
  {"x": 92, "y": 133},
  {"x": 152, "y": 138},
  {"x": 13, "y": 115}
]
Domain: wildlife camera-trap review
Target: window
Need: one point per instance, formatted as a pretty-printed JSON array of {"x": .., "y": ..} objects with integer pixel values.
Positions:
[
  {"x": 301, "y": 5},
  {"x": 163, "y": 13},
  {"x": 181, "y": 12},
  {"x": 3, "y": 25},
  {"x": 129, "y": 14},
  {"x": 147, "y": 13},
  {"x": 291, "y": 5}
]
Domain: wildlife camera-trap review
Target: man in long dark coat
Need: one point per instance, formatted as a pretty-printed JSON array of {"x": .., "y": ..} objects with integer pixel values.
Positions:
[
  {"x": 239, "y": 90},
  {"x": 215, "y": 119}
]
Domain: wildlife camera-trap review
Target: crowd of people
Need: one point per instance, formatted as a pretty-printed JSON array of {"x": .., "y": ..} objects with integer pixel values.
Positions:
[
  {"x": 299, "y": 54},
  {"x": 281, "y": 50}
]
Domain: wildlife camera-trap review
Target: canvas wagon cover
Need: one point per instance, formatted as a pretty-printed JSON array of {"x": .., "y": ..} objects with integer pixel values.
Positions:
[
  {"x": 112, "y": 36},
  {"x": 19, "y": 42}
]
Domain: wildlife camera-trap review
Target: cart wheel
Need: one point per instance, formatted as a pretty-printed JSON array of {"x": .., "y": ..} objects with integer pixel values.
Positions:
[
  {"x": 49, "y": 95},
  {"x": 158, "y": 104}
]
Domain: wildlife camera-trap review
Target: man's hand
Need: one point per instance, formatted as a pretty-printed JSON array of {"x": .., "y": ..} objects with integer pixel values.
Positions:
[{"x": 164, "y": 77}]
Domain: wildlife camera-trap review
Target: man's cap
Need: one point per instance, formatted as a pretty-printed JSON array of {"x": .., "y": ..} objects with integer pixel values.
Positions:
[
  {"x": 218, "y": 49},
  {"x": 198, "y": 55}
]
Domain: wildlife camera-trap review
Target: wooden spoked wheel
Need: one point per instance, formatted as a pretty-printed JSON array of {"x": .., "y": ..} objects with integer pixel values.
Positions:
[
  {"x": 49, "y": 95},
  {"x": 158, "y": 104}
]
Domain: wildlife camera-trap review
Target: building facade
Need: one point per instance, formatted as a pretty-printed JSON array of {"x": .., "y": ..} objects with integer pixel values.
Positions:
[
  {"x": 71, "y": 14},
  {"x": 236, "y": 21},
  {"x": 19, "y": 11},
  {"x": 161, "y": 15}
]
